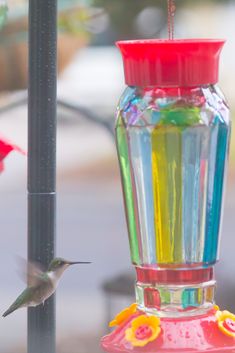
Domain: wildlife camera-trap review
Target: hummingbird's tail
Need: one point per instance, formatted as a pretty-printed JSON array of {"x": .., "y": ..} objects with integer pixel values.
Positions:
[{"x": 12, "y": 308}]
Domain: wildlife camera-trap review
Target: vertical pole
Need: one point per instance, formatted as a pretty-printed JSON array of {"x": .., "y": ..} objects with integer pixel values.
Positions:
[{"x": 42, "y": 160}]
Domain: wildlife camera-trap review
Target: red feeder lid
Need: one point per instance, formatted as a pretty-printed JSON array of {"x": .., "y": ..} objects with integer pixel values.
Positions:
[{"x": 164, "y": 63}]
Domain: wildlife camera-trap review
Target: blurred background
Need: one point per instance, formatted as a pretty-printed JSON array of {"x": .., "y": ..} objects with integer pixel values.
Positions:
[{"x": 91, "y": 223}]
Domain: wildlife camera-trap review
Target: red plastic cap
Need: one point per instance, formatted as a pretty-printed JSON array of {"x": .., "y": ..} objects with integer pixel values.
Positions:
[{"x": 164, "y": 63}]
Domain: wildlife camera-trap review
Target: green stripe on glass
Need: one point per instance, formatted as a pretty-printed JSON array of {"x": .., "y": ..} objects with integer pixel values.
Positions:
[{"x": 122, "y": 146}]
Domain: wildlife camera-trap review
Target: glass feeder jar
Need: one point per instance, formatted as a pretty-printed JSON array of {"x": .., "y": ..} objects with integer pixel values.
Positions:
[{"x": 172, "y": 135}]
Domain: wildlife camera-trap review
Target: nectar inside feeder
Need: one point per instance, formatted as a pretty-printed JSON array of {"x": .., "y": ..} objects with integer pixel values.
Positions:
[{"x": 172, "y": 135}]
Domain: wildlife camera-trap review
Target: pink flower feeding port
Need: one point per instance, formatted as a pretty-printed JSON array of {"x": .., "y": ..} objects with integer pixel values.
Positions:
[
  {"x": 172, "y": 136},
  {"x": 203, "y": 333}
]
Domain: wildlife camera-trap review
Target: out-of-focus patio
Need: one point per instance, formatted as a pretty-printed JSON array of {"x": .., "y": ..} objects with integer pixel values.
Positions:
[{"x": 90, "y": 223}]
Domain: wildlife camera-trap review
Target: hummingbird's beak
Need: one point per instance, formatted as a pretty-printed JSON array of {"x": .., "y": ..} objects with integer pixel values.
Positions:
[{"x": 78, "y": 262}]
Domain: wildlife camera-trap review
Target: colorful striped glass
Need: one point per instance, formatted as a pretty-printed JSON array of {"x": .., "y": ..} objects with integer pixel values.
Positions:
[{"x": 172, "y": 145}]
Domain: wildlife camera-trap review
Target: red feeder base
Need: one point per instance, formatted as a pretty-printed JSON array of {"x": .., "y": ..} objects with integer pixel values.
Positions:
[{"x": 198, "y": 334}]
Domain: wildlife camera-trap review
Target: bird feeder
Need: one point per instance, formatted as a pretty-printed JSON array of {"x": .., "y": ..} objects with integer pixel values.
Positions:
[{"x": 172, "y": 136}]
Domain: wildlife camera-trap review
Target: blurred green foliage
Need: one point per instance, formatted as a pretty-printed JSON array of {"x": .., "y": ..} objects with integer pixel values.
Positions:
[
  {"x": 73, "y": 21},
  {"x": 123, "y": 12},
  {"x": 3, "y": 14}
]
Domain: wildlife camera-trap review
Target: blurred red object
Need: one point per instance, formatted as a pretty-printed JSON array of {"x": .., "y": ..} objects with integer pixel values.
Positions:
[{"x": 5, "y": 148}]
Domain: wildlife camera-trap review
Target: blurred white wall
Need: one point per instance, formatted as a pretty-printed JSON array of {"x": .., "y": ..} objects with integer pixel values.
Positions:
[{"x": 208, "y": 20}]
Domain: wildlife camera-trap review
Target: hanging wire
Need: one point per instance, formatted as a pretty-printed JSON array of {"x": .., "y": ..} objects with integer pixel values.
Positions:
[
  {"x": 169, "y": 18},
  {"x": 171, "y": 14}
]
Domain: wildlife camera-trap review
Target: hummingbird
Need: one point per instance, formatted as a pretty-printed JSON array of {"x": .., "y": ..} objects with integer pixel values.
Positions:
[{"x": 41, "y": 284}]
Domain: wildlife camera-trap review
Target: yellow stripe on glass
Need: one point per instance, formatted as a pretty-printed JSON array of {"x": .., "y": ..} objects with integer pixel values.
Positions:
[{"x": 167, "y": 190}]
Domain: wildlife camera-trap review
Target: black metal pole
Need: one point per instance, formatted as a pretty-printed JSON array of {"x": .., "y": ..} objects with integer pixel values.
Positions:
[{"x": 42, "y": 160}]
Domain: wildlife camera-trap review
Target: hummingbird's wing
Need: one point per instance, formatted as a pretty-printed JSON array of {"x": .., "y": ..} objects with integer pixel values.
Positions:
[
  {"x": 35, "y": 274},
  {"x": 32, "y": 273}
]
